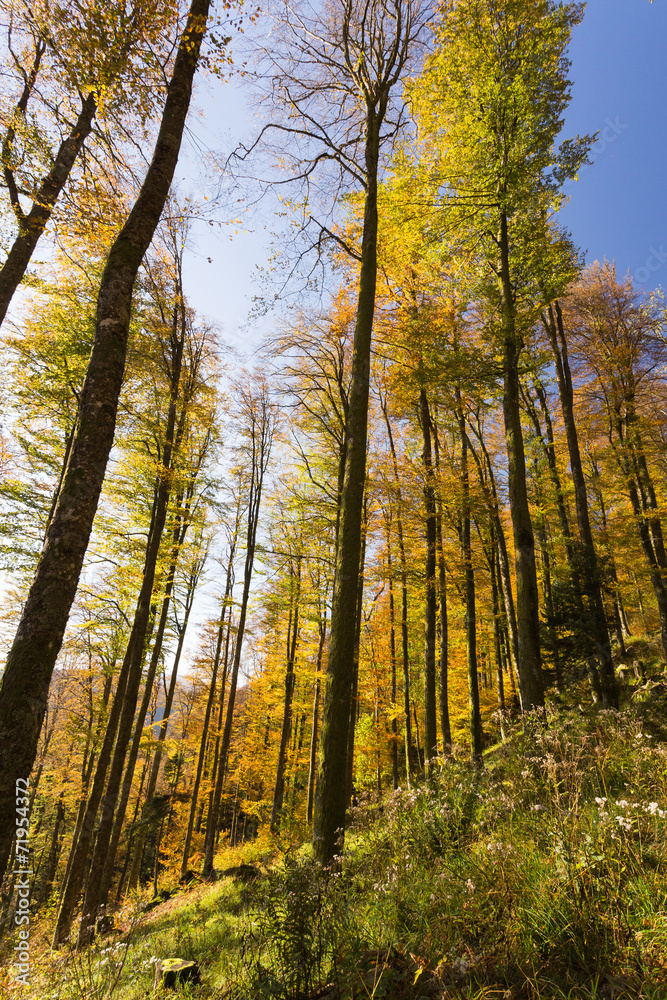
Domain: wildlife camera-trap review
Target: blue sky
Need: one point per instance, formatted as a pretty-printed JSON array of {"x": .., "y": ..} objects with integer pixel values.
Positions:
[{"x": 617, "y": 208}]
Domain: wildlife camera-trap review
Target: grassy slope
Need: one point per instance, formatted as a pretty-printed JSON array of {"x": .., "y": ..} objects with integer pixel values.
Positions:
[{"x": 545, "y": 875}]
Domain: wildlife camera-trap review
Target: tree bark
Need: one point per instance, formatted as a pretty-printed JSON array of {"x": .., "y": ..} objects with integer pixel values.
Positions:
[
  {"x": 443, "y": 696},
  {"x": 615, "y": 588},
  {"x": 312, "y": 770},
  {"x": 54, "y": 851},
  {"x": 392, "y": 657},
  {"x": 527, "y": 598},
  {"x": 495, "y": 604},
  {"x": 30, "y": 663},
  {"x": 541, "y": 532},
  {"x": 549, "y": 449},
  {"x": 405, "y": 656},
  {"x": 202, "y": 755},
  {"x": 218, "y": 734},
  {"x": 140, "y": 839},
  {"x": 87, "y": 773},
  {"x": 262, "y": 437},
  {"x": 110, "y": 860},
  {"x": 590, "y": 570},
  {"x": 503, "y": 561},
  {"x": 474, "y": 717},
  {"x": 136, "y": 648},
  {"x": 430, "y": 719},
  {"x": 79, "y": 851},
  {"x": 292, "y": 640},
  {"x": 354, "y": 712},
  {"x": 644, "y": 504},
  {"x": 330, "y": 801}
]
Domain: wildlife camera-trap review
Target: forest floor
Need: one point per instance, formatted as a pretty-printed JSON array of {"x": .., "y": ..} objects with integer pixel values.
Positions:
[{"x": 541, "y": 876}]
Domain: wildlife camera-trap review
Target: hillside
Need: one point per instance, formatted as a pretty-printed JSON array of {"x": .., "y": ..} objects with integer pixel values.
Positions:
[{"x": 542, "y": 874}]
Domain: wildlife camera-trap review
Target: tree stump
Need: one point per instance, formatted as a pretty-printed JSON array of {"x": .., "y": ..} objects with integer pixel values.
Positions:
[{"x": 173, "y": 972}]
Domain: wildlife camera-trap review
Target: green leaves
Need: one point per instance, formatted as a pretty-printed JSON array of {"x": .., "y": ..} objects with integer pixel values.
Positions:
[{"x": 489, "y": 108}]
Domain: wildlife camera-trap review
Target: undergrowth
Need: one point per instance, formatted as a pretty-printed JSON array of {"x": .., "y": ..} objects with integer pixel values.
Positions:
[{"x": 542, "y": 874}]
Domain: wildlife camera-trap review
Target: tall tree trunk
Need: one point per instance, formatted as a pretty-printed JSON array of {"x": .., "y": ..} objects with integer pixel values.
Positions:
[
  {"x": 110, "y": 860},
  {"x": 541, "y": 531},
  {"x": 443, "y": 696},
  {"x": 262, "y": 436},
  {"x": 548, "y": 446},
  {"x": 590, "y": 570},
  {"x": 142, "y": 832},
  {"x": 615, "y": 589},
  {"x": 87, "y": 774},
  {"x": 181, "y": 525},
  {"x": 331, "y": 797},
  {"x": 155, "y": 769},
  {"x": 495, "y": 604},
  {"x": 392, "y": 656},
  {"x": 405, "y": 656},
  {"x": 279, "y": 789},
  {"x": 355, "y": 677},
  {"x": 312, "y": 770},
  {"x": 226, "y": 603},
  {"x": 527, "y": 599},
  {"x": 202, "y": 755},
  {"x": 644, "y": 505},
  {"x": 430, "y": 718},
  {"x": 503, "y": 561},
  {"x": 133, "y": 821},
  {"x": 54, "y": 851},
  {"x": 30, "y": 663},
  {"x": 418, "y": 747},
  {"x": 79, "y": 851},
  {"x": 475, "y": 721},
  {"x": 136, "y": 647},
  {"x": 658, "y": 577},
  {"x": 296, "y": 784},
  {"x": 140, "y": 838},
  {"x": 221, "y": 716}
]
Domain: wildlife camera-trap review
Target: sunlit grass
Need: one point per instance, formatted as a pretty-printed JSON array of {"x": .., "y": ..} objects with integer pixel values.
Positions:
[{"x": 544, "y": 875}]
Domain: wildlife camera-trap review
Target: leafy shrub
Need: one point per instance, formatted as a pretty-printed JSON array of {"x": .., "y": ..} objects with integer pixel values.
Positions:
[{"x": 298, "y": 930}]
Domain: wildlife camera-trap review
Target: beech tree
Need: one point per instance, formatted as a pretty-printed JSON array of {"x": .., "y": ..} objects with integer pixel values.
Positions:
[
  {"x": 179, "y": 357},
  {"x": 354, "y": 56},
  {"x": 259, "y": 420},
  {"x": 70, "y": 61},
  {"x": 616, "y": 338},
  {"x": 30, "y": 663},
  {"x": 334, "y": 75},
  {"x": 586, "y": 570},
  {"x": 397, "y": 497},
  {"x": 489, "y": 107}
]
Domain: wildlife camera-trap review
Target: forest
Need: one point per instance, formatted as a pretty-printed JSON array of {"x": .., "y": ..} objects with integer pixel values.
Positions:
[{"x": 335, "y": 667}]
